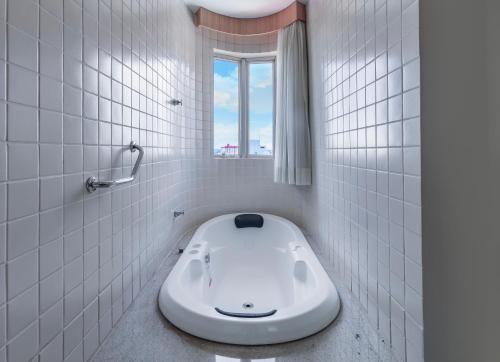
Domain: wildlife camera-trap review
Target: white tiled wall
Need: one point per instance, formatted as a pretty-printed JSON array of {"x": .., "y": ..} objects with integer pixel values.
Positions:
[
  {"x": 365, "y": 205},
  {"x": 78, "y": 81}
]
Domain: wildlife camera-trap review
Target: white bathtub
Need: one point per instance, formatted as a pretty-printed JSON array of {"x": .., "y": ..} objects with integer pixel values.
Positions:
[{"x": 249, "y": 286}]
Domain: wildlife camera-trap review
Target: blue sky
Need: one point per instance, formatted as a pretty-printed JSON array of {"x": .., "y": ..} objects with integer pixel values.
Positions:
[{"x": 226, "y": 102}]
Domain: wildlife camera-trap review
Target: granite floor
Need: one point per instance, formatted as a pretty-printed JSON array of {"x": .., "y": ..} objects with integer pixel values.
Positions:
[{"x": 143, "y": 334}]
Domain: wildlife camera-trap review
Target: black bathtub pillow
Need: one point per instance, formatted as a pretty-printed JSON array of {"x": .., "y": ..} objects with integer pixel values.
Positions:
[{"x": 248, "y": 221}]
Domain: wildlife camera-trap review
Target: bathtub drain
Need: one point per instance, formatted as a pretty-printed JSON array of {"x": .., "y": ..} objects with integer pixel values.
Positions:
[{"x": 247, "y": 305}]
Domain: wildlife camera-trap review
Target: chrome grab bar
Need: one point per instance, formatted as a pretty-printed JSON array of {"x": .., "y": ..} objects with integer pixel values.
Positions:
[{"x": 92, "y": 183}]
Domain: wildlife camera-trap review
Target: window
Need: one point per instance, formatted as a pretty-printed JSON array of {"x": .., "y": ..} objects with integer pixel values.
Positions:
[
  {"x": 243, "y": 109},
  {"x": 260, "y": 108},
  {"x": 226, "y": 107}
]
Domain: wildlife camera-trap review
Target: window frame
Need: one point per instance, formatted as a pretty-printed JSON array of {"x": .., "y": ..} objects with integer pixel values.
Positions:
[{"x": 244, "y": 63}]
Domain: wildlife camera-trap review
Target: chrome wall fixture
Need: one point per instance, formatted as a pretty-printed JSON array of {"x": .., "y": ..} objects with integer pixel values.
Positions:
[
  {"x": 178, "y": 213},
  {"x": 176, "y": 102},
  {"x": 92, "y": 183}
]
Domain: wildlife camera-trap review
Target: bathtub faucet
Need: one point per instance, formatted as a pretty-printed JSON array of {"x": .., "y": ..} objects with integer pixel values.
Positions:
[{"x": 178, "y": 213}]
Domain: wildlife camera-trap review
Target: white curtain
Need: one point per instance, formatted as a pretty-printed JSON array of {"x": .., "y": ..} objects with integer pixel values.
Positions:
[{"x": 292, "y": 163}]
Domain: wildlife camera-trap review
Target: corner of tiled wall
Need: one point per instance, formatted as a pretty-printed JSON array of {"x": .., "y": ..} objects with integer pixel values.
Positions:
[{"x": 365, "y": 104}]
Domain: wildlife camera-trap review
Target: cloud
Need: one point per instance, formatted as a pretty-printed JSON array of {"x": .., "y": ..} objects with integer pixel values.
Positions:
[
  {"x": 225, "y": 134},
  {"x": 264, "y": 134},
  {"x": 226, "y": 91},
  {"x": 223, "y": 100},
  {"x": 261, "y": 88},
  {"x": 261, "y": 76}
]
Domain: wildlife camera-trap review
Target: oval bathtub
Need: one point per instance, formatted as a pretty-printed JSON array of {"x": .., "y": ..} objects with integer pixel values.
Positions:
[{"x": 249, "y": 286}]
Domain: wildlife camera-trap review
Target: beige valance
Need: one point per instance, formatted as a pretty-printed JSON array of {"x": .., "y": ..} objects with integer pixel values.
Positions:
[{"x": 251, "y": 26}]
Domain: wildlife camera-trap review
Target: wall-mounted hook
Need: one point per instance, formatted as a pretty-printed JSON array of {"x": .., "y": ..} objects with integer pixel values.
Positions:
[
  {"x": 178, "y": 213},
  {"x": 176, "y": 102}
]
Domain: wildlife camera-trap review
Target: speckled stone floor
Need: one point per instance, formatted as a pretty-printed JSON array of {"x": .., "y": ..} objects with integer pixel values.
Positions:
[{"x": 143, "y": 334}]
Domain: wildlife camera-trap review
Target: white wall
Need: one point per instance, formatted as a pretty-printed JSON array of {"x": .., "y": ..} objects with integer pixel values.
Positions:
[
  {"x": 461, "y": 176},
  {"x": 78, "y": 81},
  {"x": 365, "y": 208}
]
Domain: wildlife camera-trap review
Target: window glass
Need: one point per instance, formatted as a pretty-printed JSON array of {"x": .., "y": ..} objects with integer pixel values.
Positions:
[
  {"x": 254, "y": 124},
  {"x": 260, "y": 109},
  {"x": 226, "y": 108}
]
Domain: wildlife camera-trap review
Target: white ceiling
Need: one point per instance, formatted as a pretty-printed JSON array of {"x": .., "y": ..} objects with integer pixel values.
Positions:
[{"x": 241, "y": 8}]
